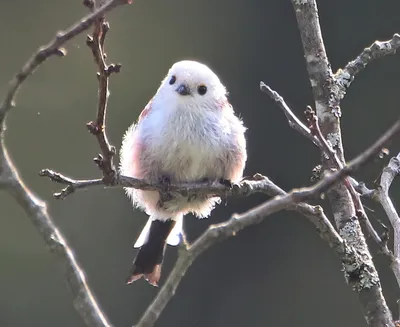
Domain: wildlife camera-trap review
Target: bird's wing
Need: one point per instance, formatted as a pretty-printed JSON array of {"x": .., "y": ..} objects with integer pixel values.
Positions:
[{"x": 145, "y": 111}]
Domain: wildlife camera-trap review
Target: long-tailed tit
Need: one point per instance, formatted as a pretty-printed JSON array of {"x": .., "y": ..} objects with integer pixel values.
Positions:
[{"x": 188, "y": 132}]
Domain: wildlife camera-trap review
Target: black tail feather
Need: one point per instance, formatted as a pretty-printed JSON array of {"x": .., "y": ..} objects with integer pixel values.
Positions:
[{"x": 151, "y": 254}]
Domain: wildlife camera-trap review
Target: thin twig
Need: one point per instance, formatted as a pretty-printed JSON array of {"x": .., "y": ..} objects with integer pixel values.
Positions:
[
  {"x": 98, "y": 127},
  {"x": 52, "y": 48},
  {"x": 387, "y": 177},
  {"x": 294, "y": 122},
  {"x": 313, "y": 133},
  {"x": 331, "y": 155},
  {"x": 361, "y": 188},
  {"x": 251, "y": 185},
  {"x": 381, "y": 194},
  {"x": 216, "y": 233},
  {"x": 10, "y": 181},
  {"x": 376, "y": 50}
]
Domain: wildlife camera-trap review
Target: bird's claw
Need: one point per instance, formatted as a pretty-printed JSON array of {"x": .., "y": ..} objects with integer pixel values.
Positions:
[{"x": 226, "y": 182}]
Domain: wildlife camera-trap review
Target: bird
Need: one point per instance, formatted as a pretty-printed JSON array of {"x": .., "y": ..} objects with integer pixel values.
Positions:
[{"x": 188, "y": 132}]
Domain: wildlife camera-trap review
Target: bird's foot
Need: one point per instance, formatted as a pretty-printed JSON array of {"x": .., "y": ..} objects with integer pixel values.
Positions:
[{"x": 226, "y": 182}]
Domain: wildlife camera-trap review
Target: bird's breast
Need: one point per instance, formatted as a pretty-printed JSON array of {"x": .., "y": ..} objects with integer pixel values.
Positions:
[{"x": 189, "y": 147}]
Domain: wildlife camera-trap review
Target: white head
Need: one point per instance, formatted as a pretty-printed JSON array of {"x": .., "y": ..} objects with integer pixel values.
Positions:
[{"x": 190, "y": 85}]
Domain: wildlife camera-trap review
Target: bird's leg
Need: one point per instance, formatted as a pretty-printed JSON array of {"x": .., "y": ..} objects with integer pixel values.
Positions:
[
  {"x": 225, "y": 182},
  {"x": 165, "y": 180},
  {"x": 165, "y": 196}
]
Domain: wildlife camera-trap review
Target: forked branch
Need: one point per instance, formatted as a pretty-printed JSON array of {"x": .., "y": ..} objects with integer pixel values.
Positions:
[
  {"x": 10, "y": 181},
  {"x": 381, "y": 195},
  {"x": 376, "y": 50},
  {"x": 98, "y": 127},
  {"x": 313, "y": 132}
]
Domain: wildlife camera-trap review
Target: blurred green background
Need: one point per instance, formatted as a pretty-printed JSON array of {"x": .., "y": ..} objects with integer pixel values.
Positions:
[{"x": 278, "y": 273}]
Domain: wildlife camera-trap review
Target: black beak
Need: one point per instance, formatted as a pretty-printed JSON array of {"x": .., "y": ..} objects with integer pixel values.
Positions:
[{"x": 183, "y": 89}]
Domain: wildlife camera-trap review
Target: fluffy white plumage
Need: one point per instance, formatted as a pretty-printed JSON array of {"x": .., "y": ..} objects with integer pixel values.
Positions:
[{"x": 185, "y": 136}]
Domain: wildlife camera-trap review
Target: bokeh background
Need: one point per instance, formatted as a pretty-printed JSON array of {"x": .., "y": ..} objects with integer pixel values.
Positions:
[{"x": 278, "y": 273}]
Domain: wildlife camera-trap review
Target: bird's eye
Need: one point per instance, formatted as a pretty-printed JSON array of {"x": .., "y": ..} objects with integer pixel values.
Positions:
[
  {"x": 172, "y": 80},
  {"x": 202, "y": 89}
]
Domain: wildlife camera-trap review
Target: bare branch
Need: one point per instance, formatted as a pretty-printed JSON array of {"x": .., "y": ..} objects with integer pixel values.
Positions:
[
  {"x": 294, "y": 122},
  {"x": 248, "y": 186},
  {"x": 361, "y": 188},
  {"x": 313, "y": 132},
  {"x": 84, "y": 301},
  {"x": 10, "y": 181},
  {"x": 387, "y": 177},
  {"x": 331, "y": 155},
  {"x": 376, "y": 50},
  {"x": 327, "y": 93},
  {"x": 381, "y": 194},
  {"x": 73, "y": 184},
  {"x": 352, "y": 261},
  {"x": 52, "y": 48},
  {"x": 98, "y": 127}
]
